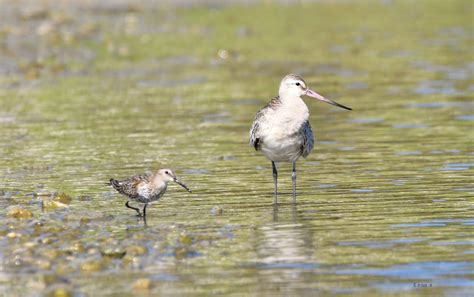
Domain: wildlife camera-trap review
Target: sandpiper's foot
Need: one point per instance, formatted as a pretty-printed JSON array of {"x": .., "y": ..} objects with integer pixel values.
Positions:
[{"x": 139, "y": 214}]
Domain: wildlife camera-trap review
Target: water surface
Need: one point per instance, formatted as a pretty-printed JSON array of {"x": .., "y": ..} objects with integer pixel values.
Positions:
[{"x": 91, "y": 91}]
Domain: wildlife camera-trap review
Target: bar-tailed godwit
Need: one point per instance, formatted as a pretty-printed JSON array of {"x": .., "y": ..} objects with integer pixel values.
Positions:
[{"x": 281, "y": 129}]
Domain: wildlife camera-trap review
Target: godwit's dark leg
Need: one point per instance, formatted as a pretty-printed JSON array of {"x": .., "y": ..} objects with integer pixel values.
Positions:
[
  {"x": 293, "y": 177},
  {"x": 275, "y": 181},
  {"x": 134, "y": 208},
  {"x": 144, "y": 210}
]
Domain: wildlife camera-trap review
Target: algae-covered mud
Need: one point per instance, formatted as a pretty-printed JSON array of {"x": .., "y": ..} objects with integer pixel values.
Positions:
[{"x": 91, "y": 90}]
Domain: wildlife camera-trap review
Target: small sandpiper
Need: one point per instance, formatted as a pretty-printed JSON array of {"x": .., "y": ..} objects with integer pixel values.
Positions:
[
  {"x": 145, "y": 188},
  {"x": 281, "y": 129}
]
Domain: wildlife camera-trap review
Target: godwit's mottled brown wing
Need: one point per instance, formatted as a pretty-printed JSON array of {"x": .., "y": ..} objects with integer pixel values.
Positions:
[
  {"x": 308, "y": 139},
  {"x": 128, "y": 187},
  {"x": 255, "y": 139}
]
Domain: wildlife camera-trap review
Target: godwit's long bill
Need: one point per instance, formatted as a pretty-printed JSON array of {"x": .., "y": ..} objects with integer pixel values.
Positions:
[{"x": 281, "y": 129}]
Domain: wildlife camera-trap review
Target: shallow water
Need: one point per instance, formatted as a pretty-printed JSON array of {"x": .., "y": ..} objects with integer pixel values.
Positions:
[{"x": 384, "y": 201}]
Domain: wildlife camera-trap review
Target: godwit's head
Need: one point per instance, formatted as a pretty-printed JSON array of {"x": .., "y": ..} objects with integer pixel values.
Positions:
[
  {"x": 167, "y": 175},
  {"x": 294, "y": 86}
]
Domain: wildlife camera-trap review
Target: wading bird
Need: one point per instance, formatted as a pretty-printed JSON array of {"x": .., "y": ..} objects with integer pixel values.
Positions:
[
  {"x": 281, "y": 129},
  {"x": 145, "y": 188}
]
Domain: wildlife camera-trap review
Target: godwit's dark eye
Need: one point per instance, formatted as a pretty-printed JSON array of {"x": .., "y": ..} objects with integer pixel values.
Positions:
[
  {"x": 298, "y": 84},
  {"x": 167, "y": 172}
]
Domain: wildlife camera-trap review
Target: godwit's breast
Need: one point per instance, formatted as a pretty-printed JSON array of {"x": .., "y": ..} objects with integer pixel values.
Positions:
[{"x": 285, "y": 133}]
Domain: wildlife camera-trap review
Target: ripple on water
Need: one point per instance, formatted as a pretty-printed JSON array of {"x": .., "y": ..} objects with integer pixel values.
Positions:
[
  {"x": 164, "y": 277},
  {"x": 368, "y": 244},
  {"x": 461, "y": 221},
  {"x": 362, "y": 190},
  {"x": 446, "y": 243},
  {"x": 289, "y": 265},
  {"x": 418, "y": 225},
  {"x": 325, "y": 186},
  {"x": 217, "y": 118},
  {"x": 366, "y": 120},
  {"x": 327, "y": 142},
  {"x": 417, "y": 270},
  {"x": 450, "y": 72},
  {"x": 399, "y": 182},
  {"x": 468, "y": 117},
  {"x": 457, "y": 166},
  {"x": 382, "y": 244},
  {"x": 196, "y": 171},
  {"x": 408, "y": 153},
  {"x": 463, "y": 189},
  {"x": 250, "y": 101},
  {"x": 347, "y": 148},
  {"x": 409, "y": 126},
  {"x": 357, "y": 86},
  {"x": 453, "y": 168},
  {"x": 460, "y": 165},
  {"x": 440, "y": 87},
  {"x": 435, "y": 105},
  {"x": 170, "y": 83},
  {"x": 334, "y": 69}
]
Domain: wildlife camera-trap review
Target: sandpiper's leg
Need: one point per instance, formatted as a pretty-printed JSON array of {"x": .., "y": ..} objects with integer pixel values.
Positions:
[
  {"x": 136, "y": 209},
  {"x": 293, "y": 177},
  {"x": 275, "y": 181},
  {"x": 144, "y": 210}
]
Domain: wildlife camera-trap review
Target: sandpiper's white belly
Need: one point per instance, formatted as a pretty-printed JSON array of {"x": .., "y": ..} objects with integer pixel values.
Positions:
[{"x": 149, "y": 194}]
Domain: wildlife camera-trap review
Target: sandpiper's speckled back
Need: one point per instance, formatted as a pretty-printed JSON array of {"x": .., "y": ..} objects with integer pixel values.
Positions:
[{"x": 139, "y": 188}]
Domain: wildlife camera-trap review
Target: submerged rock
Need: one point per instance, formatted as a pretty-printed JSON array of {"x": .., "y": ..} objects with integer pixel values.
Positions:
[
  {"x": 217, "y": 210},
  {"x": 63, "y": 198},
  {"x": 76, "y": 248},
  {"x": 142, "y": 284},
  {"x": 113, "y": 252},
  {"x": 136, "y": 250},
  {"x": 19, "y": 212},
  {"x": 84, "y": 198},
  {"x": 185, "y": 239},
  {"x": 92, "y": 266},
  {"x": 60, "y": 291},
  {"x": 43, "y": 194},
  {"x": 13, "y": 235},
  {"x": 51, "y": 204}
]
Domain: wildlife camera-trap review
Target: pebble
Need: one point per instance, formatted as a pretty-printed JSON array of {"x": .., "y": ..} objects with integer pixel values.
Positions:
[
  {"x": 142, "y": 284},
  {"x": 19, "y": 212}
]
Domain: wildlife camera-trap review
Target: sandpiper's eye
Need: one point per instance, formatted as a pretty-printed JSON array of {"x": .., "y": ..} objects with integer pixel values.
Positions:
[
  {"x": 298, "y": 84},
  {"x": 167, "y": 172}
]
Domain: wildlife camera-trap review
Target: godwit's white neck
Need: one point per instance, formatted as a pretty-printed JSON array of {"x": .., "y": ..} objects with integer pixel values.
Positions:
[
  {"x": 291, "y": 99},
  {"x": 293, "y": 109}
]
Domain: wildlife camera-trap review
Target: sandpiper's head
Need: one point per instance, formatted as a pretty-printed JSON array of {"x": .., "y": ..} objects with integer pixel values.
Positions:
[
  {"x": 168, "y": 175},
  {"x": 293, "y": 85}
]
